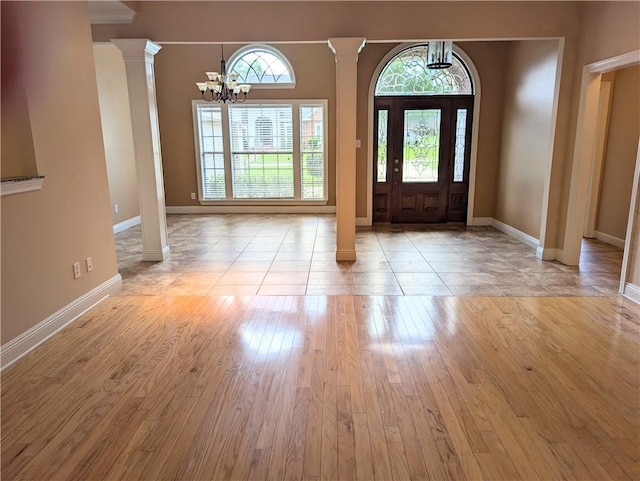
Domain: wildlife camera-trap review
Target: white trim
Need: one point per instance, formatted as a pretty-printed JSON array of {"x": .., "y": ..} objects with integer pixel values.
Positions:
[
  {"x": 362, "y": 222},
  {"x": 156, "y": 255},
  {"x": 515, "y": 233},
  {"x": 8, "y": 187},
  {"x": 126, "y": 224},
  {"x": 481, "y": 221},
  {"x": 28, "y": 340},
  {"x": 632, "y": 292},
  {"x": 583, "y": 151},
  {"x": 105, "y": 12},
  {"x": 614, "y": 63},
  {"x": 633, "y": 229},
  {"x": 251, "y": 209},
  {"x": 609, "y": 239},
  {"x": 547, "y": 254},
  {"x": 475, "y": 126}
]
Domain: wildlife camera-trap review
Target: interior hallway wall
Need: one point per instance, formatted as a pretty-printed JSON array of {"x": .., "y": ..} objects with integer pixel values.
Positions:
[
  {"x": 116, "y": 131},
  {"x": 45, "y": 231},
  {"x": 527, "y": 132},
  {"x": 620, "y": 154}
]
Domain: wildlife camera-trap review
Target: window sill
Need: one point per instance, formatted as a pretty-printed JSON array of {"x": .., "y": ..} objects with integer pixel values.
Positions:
[
  {"x": 263, "y": 203},
  {"x": 18, "y": 185}
]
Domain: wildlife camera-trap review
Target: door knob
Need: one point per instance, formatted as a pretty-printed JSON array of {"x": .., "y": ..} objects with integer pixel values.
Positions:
[
  {"x": 396, "y": 169},
  {"x": 396, "y": 161}
]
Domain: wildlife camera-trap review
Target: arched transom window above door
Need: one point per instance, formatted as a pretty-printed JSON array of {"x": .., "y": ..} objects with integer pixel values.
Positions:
[
  {"x": 407, "y": 74},
  {"x": 262, "y": 66}
]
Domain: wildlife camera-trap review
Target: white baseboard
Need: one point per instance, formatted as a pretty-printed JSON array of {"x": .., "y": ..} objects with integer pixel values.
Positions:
[
  {"x": 632, "y": 292},
  {"x": 547, "y": 254},
  {"x": 125, "y": 224},
  {"x": 251, "y": 209},
  {"x": 481, "y": 221},
  {"x": 149, "y": 255},
  {"x": 515, "y": 233},
  {"x": 362, "y": 221},
  {"x": 28, "y": 340},
  {"x": 560, "y": 256},
  {"x": 609, "y": 239}
]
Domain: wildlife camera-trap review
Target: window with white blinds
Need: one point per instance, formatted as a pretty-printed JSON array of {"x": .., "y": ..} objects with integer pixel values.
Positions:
[
  {"x": 261, "y": 151},
  {"x": 211, "y": 152}
]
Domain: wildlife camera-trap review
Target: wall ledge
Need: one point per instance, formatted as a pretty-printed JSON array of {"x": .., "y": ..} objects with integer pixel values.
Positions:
[
  {"x": 32, "y": 338},
  {"x": 21, "y": 184}
]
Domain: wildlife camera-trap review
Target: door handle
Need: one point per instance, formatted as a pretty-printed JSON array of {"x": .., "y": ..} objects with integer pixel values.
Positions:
[
  {"x": 396, "y": 161},
  {"x": 396, "y": 169}
]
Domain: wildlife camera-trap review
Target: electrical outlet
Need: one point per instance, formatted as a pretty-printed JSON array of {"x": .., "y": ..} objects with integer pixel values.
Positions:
[
  {"x": 115, "y": 208},
  {"x": 193, "y": 196},
  {"x": 89, "y": 264},
  {"x": 76, "y": 270}
]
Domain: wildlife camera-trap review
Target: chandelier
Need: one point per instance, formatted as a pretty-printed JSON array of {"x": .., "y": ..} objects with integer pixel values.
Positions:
[
  {"x": 222, "y": 87},
  {"x": 439, "y": 54}
]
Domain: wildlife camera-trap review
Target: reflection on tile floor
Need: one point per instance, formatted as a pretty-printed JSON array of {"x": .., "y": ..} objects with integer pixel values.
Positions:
[{"x": 294, "y": 255}]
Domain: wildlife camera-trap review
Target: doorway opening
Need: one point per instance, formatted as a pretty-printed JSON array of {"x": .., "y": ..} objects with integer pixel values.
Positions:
[
  {"x": 422, "y": 140},
  {"x": 583, "y": 169}
]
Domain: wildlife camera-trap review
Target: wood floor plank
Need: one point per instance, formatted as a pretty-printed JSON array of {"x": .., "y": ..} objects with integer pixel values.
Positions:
[
  {"x": 297, "y": 437},
  {"x": 354, "y": 387},
  {"x": 346, "y": 440},
  {"x": 362, "y": 447}
]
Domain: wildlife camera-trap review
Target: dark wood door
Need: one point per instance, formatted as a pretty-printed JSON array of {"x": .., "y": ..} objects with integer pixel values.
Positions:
[{"x": 422, "y": 158}]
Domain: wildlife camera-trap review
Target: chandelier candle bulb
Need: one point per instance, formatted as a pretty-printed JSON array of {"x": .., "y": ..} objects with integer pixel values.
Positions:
[{"x": 221, "y": 87}]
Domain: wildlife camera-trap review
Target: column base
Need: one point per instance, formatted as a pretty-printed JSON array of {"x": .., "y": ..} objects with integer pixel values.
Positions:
[
  {"x": 156, "y": 255},
  {"x": 345, "y": 255}
]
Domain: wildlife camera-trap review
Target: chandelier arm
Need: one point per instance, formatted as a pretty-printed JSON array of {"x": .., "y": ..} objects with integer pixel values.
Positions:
[{"x": 219, "y": 89}]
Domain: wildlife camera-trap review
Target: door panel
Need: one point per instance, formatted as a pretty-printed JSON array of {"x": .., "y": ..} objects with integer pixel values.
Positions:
[
  {"x": 422, "y": 159},
  {"x": 417, "y": 193}
]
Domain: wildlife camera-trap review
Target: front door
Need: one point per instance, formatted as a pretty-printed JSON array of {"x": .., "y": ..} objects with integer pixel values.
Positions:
[{"x": 422, "y": 159}]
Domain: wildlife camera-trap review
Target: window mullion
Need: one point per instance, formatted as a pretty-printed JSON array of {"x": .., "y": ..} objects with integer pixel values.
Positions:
[
  {"x": 297, "y": 165},
  {"x": 226, "y": 142}
]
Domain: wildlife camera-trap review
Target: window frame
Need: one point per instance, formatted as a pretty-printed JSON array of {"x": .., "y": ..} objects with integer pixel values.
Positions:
[
  {"x": 296, "y": 104},
  {"x": 267, "y": 48}
]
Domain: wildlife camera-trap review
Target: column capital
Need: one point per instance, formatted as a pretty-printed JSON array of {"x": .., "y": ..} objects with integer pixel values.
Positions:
[
  {"x": 137, "y": 48},
  {"x": 346, "y": 48}
]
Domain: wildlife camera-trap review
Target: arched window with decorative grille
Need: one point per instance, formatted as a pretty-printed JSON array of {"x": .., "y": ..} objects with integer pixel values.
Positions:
[
  {"x": 262, "y": 66},
  {"x": 407, "y": 74}
]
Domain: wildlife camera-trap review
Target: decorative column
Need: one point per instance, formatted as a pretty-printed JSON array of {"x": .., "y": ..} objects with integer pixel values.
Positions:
[
  {"x": 346, "y": 51},
  {"x": 138, "y": 58}
]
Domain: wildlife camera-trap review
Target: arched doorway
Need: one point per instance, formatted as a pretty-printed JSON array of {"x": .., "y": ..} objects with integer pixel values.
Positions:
[{"x": 422, "y": 140}]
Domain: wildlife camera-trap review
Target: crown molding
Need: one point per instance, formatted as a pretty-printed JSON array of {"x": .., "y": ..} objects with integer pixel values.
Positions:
[{"x": 112, "y": 11}]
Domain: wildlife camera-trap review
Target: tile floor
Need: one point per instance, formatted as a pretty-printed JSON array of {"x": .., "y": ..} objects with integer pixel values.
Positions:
[{"x": 294, "y": 255}]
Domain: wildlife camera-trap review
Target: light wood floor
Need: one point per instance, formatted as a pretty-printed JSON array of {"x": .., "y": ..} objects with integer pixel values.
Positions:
[{"x": 292, "y": 387}]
